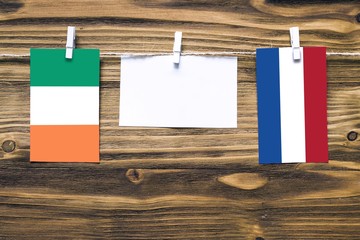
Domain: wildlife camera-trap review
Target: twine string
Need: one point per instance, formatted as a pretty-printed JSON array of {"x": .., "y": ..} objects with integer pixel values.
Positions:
[{"x": 148, "y": 54}]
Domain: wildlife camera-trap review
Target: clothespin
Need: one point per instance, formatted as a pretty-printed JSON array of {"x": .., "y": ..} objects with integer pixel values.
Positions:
[
  {"x": 295, "y": 42},
  {"x": 177, "y": 47},
  {"x": 70, "y": 42}
]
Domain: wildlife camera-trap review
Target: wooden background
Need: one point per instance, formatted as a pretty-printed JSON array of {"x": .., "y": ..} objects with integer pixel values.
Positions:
[{"x": 180, "y": 183}]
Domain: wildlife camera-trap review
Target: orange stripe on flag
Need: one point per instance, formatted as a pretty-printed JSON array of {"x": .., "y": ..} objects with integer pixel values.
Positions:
[{"x": 67, "y": 143}]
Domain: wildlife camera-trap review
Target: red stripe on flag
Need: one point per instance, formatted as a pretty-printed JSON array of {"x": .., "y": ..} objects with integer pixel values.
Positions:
[{"x": 315, "y": 87}]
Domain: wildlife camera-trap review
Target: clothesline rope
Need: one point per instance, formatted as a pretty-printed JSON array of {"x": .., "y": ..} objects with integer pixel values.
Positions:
[{"x": 119, "y": 54}]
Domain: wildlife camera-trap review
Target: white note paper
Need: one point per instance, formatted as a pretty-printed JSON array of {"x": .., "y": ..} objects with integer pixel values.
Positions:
[{"x": 200, "y": 92}]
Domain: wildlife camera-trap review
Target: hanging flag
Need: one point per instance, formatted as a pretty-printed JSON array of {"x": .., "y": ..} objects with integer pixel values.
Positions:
[
  {"x": 64, "y": 105},
  {"x": 292, "y": 116}
]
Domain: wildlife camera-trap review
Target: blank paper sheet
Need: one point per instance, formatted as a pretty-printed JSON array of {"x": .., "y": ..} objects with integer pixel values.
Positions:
[{"x": 200, "y": 92}]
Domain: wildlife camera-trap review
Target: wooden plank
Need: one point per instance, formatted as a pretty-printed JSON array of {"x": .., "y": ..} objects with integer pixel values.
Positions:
[
  {"x": 149, "y": 25},
  {"x": 89, "y": 201},
  {"x": 179, "y": 183}
]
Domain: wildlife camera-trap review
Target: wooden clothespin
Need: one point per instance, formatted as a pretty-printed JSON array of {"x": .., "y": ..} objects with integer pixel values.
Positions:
[
  {"x": 70, "y": 42},
  {"x": 295, "y": 42},
  {"x": 177, "y": 47}
]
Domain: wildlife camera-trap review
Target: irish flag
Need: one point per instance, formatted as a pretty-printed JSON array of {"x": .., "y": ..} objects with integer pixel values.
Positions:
[
  {"x": 64, "y": 106},
  {"x": 292, "y": 116}
]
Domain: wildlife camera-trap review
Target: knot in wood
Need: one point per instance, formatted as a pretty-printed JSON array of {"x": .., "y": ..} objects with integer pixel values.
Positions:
[
  {"x": 8, "y": 146},
  {"x": 352, "y": 136},
  {"x": 259, "y": 238},
  {"x": 358, "y": 18},
  {"x": 135, "y": 176}
]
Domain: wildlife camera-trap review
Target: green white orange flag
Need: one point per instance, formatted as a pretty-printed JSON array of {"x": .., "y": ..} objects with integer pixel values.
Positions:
[{"x": 64, "y": 105}]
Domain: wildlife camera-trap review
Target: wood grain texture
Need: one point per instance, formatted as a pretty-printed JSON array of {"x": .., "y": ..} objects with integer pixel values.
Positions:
[{"x": 166, "y": 183}]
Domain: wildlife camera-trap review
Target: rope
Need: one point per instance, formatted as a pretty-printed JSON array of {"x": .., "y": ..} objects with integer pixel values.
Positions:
[{"x": 127, "y": 54}]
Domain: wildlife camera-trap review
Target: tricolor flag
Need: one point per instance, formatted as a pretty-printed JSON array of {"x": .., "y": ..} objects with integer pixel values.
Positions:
[
  {"x": 64, "y": 105},
  {"x": 292, "y": 117}
]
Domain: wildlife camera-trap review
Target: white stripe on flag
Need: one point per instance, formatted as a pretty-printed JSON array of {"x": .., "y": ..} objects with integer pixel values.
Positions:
[
  {"x": 64, "y": 105},
  {"x": 292, "y": 109}
]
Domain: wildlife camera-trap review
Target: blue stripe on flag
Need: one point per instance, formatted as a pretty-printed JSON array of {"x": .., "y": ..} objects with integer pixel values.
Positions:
[{"x": 268, "y": 92}]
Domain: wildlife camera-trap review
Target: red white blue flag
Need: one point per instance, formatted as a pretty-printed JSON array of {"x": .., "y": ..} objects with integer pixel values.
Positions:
[{"x": 292, "y": 116}]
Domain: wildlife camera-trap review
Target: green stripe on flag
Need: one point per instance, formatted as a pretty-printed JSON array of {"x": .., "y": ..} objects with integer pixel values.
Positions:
[{"x": 49, "y": 67}]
